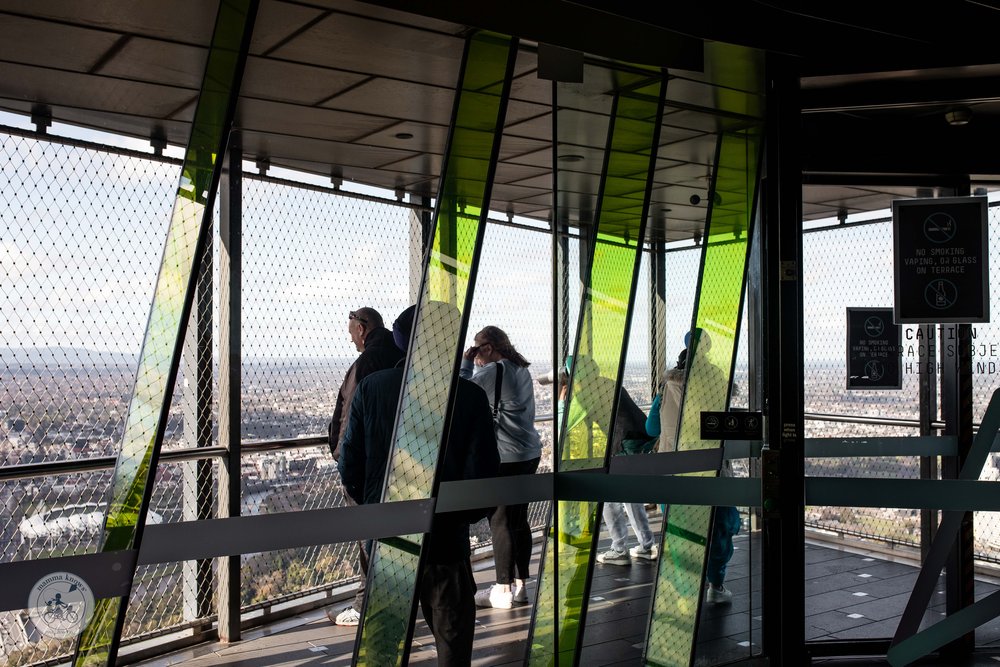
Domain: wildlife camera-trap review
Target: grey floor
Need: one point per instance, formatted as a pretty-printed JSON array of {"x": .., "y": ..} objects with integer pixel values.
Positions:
[{"x": 849, "y": 596}]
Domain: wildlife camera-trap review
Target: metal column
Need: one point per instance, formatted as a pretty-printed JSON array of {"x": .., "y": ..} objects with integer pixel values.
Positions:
[
  {"x": 784, "y": 460},
  {"x": 230, "y": 355}
]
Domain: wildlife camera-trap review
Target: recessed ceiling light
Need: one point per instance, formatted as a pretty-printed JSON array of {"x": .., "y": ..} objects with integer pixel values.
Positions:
[
  {"x": 571, "y": 157},
  {"x": 666, "y": 210},
  {"x": 404, "y": 135}
]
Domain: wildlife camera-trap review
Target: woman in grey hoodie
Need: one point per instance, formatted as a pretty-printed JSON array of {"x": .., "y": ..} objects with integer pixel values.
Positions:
[{"x": 490, "y": 360}]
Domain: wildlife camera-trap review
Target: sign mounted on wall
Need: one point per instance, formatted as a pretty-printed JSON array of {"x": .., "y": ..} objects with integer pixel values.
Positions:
[
  {"x": 941, "y": 254},
  {"x": 873, "y": 345}
]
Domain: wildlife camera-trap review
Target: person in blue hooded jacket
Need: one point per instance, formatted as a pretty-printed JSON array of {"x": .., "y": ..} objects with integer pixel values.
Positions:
[
  {"x": 446, "y": 584},
  {"x": 664, "y": 422}
]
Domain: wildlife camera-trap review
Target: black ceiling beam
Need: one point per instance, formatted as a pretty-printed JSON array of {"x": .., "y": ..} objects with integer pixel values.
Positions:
[
  {"x": 899, "y": 93},
  {"x": 571, "y": 26},
  {"x": 842, "y": 144},
  {"x": 859, "y": 180},
  {"x": 850, "y": 36}
]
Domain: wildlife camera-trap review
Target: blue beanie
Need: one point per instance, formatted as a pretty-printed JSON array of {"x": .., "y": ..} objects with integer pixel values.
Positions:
[{"x": 402, "y": 327}]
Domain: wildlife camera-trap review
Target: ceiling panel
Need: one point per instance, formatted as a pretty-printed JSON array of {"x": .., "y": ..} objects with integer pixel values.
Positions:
[
  {"x": 518, "y": 111},
  {"x": 282, "y": 81},
  {"x": 385, "y": 78},
  {"x": 398, "y": 99},
  {"x": 390, "y": 15},
  {"x": 529, "y": 87},
  {"x": 423, "y": 138},
  {"x": 91, "y": 92},
  {"x": 302, "y": 121},
  {"x": 502, "y": 194},
  {"x": 511, "y": 147},
  {"x": 144, "y": 59},
  {"x": 277, "y": 21},
  {"x": 31, "y": 41},
  {"x": 508, "y": 172},
  {"x": 188, "y": 21},
  {"x": 422, "y": 163},
  {"x": 699, "y": 150},
  {"x": 350, "y": 42}
]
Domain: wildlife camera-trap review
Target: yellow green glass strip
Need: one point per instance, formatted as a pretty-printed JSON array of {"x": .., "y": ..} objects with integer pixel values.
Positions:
[
  {"x": 681, "y": 567},
  {"x": 434, "y": 349},
  {"x": 137, "y": 459},
  {"x": 563, "y": 580}
]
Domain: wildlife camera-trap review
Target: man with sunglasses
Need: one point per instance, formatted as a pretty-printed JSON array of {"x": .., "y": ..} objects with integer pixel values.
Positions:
[{"x": 378, "y": 352}]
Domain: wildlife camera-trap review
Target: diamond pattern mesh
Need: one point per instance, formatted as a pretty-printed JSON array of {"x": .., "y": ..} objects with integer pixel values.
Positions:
[
  {"x": 595, "y": 369},
  {"x": 434, "y": 346},
  {"x": 680, "y": 570}
]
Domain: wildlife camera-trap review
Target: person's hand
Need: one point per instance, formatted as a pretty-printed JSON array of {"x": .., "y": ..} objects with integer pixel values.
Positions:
[{"x": 471, "y": 353}]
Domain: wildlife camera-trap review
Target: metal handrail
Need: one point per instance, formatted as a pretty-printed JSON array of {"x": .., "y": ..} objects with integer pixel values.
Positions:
[
  {"x": 50, "y": 468},
  {"x": 880, "y": 421}
]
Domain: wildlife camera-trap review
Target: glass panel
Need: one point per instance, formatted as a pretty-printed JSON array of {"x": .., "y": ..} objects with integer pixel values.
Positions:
[
  {"x": 435, "y": 345},
  {"x": 710, "y": 356},
  {"x": 137, "y": 456},
  {"x": 596, "y": 369}
]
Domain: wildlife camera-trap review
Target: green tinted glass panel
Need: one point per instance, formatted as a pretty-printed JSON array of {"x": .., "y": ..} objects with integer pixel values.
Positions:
[
  {"x": 595, "y": 368},
  {"x": 710, "y": 356},
  {"x": 434, "y": 347},
  {"x": 137, "y": 457}
]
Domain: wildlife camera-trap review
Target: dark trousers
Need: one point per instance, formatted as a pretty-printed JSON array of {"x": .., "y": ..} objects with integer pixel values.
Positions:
[
  {"x": 363, "y": 547},
  {"x": 725, "y": 524},
  {"x": 447, "y": 598},
  {"x": 511, "y": 532},
  {"x": 359, "y": 597}
]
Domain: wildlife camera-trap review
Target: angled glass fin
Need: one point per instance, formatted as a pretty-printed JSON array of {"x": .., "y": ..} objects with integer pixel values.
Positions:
[
  {"x": 158, "y": 361},
  {"x": 462, "y": 203},
  {"x": 595, "y": 369}
]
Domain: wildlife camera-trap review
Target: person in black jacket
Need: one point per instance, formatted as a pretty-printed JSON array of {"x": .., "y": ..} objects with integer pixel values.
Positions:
[
  {"x": 447, "y": 587},
  {"x": 378, "y": 352}
]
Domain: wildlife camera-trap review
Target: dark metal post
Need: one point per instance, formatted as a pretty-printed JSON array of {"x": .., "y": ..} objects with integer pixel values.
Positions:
[
  {"x": 197, "y": 493},
  {"x": 927, "y": 369},
  {"x": 957, "y": 410},
  {"x": 784, "y": 510},
  {"x": 755, "y": 343},
  {"x": 230, "y": 355}
]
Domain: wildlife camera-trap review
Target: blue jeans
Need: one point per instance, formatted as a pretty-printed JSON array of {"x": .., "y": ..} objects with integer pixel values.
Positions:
[{"x": 614, "y": 519}]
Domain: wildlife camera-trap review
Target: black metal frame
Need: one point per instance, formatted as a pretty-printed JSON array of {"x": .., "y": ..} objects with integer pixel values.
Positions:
[{"x": 781, "y": 252}]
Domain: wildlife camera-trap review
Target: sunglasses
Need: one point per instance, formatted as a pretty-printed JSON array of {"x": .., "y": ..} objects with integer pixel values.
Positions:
[{"x": 354, "y": 316}]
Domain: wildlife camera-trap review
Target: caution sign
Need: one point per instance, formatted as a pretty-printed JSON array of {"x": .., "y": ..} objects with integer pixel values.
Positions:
[
  {"x": 941, "y": 254},
  {"x": 873, "y": 345}
]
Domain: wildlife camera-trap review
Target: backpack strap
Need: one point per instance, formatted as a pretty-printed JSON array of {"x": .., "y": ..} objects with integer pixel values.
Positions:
[{"x": 496, "y": 390}]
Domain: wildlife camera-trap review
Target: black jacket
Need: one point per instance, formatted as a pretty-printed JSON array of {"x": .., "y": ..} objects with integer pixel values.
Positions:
[
  {"x": 470, "y": 452},
  {"x": 379, "y": 354}
]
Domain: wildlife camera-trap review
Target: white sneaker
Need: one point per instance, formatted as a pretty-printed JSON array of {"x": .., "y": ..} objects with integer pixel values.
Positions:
[
  {"x": 720, "y": 595},
  {"x": 645, "y": 554},
  {"x": 614, "y": 557},
  {"x": 495, "y": 596},
  {"x": 349, "y": 616},
  {"x": 519, "y": 591}
]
